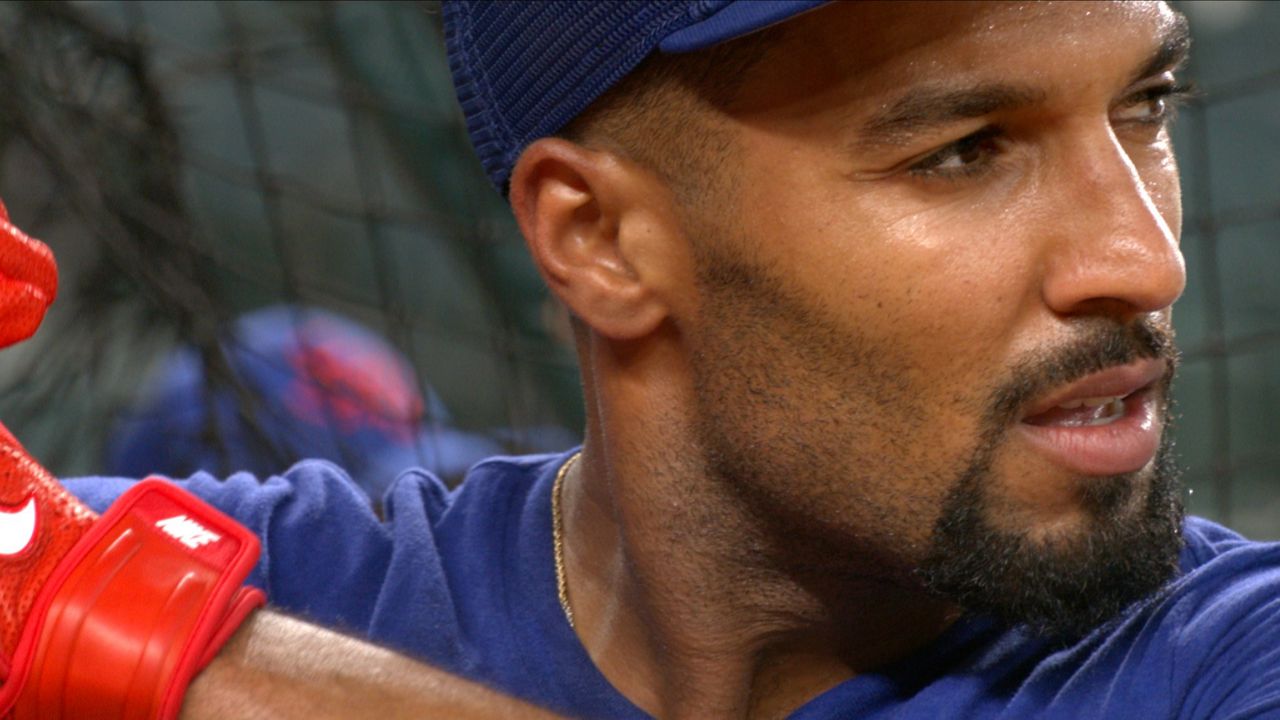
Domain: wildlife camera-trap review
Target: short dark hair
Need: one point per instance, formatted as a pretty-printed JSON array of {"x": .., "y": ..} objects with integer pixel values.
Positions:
[{"x": 654, "y": 115}]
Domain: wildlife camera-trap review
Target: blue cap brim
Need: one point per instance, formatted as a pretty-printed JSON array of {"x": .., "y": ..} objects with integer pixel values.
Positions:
[{"x": 734, "y": 20}]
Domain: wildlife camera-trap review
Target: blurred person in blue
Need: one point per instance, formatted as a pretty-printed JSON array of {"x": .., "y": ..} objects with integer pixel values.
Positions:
[
  {"x": 305, "y": 383},
  {"x": 872, "y": 307}
]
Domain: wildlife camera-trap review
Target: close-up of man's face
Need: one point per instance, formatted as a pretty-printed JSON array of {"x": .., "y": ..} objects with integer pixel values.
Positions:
[
  {"x": 639, "y": 359},
  {"x": 930, "y": 323}
]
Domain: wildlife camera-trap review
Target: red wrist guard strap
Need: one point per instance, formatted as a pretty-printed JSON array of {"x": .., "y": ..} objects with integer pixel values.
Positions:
[{"x": 141, "y": 603}]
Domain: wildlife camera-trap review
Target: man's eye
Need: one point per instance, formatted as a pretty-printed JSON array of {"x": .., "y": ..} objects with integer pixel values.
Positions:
[
  {"x": 965, "y": 157},
  {"x": 1155, "y": 105}
]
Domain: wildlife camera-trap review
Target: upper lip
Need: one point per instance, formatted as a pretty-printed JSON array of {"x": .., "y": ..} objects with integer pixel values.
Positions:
[
  {"x": 27, "y": 260},
  {"x": 1119, "y": 381}
]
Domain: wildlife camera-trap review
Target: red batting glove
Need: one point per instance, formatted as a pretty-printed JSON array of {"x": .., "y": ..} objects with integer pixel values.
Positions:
[
  {"x": 105, "y": 617},
  {"x": 39, "y": 524},
  {"x": 28, "y": 282},
  {"x": 111, "y": 617}
]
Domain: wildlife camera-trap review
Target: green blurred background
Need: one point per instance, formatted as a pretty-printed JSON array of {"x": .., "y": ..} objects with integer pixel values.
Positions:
[{"x": 190, "y": 161}]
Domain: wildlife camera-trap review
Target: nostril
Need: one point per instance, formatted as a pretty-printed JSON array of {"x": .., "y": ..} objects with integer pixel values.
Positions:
[{"x": 1120, "y": 276}]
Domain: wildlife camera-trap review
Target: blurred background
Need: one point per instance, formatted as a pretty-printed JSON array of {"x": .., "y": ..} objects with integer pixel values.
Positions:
[{"x": 237, "y": 191}]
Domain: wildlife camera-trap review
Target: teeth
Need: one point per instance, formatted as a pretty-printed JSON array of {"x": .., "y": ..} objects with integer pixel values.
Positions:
[
  {"x": 1114, "y": 411},
  {"x": 1093, "y": 402},
  {"x": 1098, "y": 411}
]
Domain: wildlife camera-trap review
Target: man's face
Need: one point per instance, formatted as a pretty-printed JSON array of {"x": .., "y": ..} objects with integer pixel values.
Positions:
[{"x": 930, "y": 330}]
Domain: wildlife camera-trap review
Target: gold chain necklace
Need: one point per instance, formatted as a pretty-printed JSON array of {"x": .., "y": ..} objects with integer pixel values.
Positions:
[{"x": 557, "y": 537}]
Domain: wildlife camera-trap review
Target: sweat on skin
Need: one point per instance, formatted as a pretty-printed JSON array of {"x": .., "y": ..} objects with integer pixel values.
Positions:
[{"x": 809, "y": 396}]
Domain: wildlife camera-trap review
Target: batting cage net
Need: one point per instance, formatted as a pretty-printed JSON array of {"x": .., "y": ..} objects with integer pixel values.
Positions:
[{"x": 274, "y": 242}]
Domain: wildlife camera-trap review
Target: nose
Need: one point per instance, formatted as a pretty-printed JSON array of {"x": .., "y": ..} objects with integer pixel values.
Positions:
[{"x": 1114, "y": 251}]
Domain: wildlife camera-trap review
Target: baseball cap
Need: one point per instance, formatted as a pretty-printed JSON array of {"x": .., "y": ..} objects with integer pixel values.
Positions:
[
  {"x": 522, "y": 69},
  {"x": 321, "y": 386}
]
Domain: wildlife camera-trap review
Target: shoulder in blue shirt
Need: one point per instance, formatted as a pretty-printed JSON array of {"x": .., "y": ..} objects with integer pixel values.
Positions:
[{"x": 465, "y": 580}]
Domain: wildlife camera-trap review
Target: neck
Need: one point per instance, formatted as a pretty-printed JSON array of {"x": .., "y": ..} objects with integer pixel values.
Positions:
[{"x": 686, "y": 602}]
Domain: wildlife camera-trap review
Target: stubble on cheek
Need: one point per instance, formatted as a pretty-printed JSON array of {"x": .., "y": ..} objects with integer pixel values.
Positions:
[{"x": 817, "y": 427}]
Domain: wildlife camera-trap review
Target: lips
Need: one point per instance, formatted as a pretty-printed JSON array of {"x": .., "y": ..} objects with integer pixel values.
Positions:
[
  {"x": 28, "y": 282},
  {"x": 1107, "y": 423}
]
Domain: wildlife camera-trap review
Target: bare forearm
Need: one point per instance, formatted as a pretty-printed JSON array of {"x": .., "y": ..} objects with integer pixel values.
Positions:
[{"x": 280, "y": 668}]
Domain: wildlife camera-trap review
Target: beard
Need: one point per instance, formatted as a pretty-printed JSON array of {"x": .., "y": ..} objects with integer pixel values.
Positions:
[
  {"x": 793, "y": 412},
  {"x": 1066, "y": 585}
]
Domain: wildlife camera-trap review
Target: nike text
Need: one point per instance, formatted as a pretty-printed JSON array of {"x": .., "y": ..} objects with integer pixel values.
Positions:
[{"x": 188, "y": 531}]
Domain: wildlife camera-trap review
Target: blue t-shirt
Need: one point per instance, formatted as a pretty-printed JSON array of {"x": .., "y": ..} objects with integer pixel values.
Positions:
[{"x": 466, "y": 581}]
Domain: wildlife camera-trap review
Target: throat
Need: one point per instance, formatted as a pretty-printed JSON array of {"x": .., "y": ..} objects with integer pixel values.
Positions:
[
  {"x": 675, "y": 654},
  {"x": 719, "y": 629}
]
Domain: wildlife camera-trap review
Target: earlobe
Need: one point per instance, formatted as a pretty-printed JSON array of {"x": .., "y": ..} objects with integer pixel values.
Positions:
[{"x": 574, "y": 206}]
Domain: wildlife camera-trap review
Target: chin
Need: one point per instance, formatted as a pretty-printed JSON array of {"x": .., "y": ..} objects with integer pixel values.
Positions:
[
  {"x": 1065, "y": 572},
  {"x": 1092, "y": 503}
]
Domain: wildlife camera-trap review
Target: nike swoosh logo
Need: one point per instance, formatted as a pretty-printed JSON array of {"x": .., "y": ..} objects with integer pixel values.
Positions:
[{"x": 17, "y": 528}]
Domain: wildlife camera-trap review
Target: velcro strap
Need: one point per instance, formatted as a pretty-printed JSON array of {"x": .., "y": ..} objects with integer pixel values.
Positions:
[{"x": 141, "y": 603}]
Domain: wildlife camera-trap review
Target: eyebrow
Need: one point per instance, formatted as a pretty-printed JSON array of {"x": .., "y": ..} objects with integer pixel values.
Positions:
[
  {"x": 1172, "y": 51},
  {"x": 928, "y": 107},
  {"x": 925, "y": 108}
]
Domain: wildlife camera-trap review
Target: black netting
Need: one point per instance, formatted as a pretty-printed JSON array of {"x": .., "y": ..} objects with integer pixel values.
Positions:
[
  {"x": 1229, "y": 318},
  {"x": 193, "y": 162}
]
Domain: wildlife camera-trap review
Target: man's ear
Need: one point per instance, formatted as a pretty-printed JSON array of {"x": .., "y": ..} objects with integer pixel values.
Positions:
[{"x": 588, "y": 219}]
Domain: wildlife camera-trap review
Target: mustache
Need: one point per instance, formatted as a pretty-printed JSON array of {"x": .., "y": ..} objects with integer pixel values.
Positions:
[{"x": 1100, "y": 345}]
